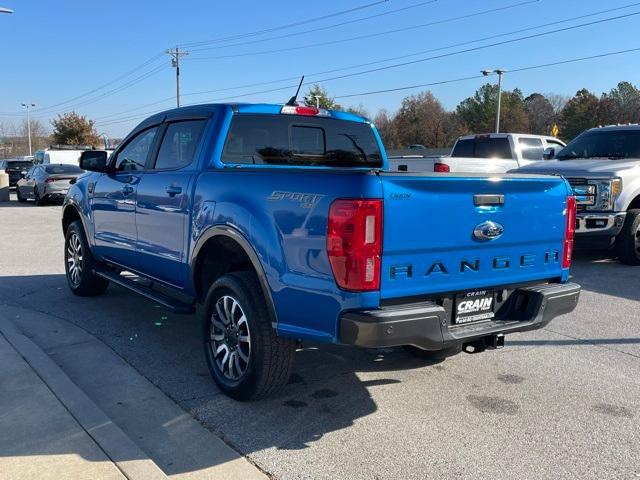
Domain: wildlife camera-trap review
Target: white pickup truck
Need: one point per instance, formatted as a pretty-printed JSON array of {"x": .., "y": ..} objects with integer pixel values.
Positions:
[{"x": 489, "y": 153}]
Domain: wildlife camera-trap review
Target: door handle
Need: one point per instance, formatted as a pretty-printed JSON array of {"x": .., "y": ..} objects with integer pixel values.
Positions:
[
  {"x": 127, "y": 189},
  {"x": 172, "y": 190}
]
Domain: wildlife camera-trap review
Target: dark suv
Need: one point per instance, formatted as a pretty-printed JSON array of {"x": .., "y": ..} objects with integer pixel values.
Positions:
[{"x": 15, "y": 168}]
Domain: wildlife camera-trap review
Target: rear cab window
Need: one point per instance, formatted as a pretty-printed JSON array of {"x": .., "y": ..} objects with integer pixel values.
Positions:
[
  {"x": 483, "y": 147},
  {"x": 266, "y": 139},
  {"x": 531, "y": 148}
]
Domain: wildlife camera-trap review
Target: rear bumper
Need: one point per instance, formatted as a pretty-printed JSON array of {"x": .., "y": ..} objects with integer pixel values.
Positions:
[{"x": 428, "y": 326}]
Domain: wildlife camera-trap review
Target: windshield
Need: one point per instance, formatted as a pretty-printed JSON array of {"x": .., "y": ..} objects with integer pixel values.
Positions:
[
  {"x": 483, "y": 147},
  {"x": 300, "y": 140},
  {"x": 608, "y": 144},
  {"x": 56, "y": 169}
]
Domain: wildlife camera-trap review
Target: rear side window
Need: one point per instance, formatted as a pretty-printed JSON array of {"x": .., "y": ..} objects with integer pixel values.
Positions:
[
  {"x": 298, "y": 140},
  {"x": 531, "y": 148},
  {"x": 179, "y": 144},
  {"x": 483, "y": 147},
  {"x": 62, "y": 169}
]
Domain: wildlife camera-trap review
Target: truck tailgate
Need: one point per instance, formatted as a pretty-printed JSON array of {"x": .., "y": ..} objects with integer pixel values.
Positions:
[{"x": 429, "y": 245}]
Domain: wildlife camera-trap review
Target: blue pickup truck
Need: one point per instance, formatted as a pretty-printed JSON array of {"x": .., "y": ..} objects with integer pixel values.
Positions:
[{"x": 283, "y": 223}]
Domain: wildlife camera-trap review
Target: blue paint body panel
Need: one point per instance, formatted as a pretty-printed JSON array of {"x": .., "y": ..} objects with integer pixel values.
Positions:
[{"x": 282, "y": 212}]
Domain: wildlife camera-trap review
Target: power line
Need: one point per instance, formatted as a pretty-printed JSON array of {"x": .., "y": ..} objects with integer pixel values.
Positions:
[
  {"x": 283, "y": 27},
  {"x": 511, "y": 70},
  {"x": 430, "y": 84},
  {"x": 375, "y": 62},
  {"x": 370, "y": 35},
  {"x": 319, "y": 29}
]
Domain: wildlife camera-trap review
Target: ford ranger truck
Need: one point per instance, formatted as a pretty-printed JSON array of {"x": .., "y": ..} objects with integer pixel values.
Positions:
[
  {"x": 282, "y": 222},
  {"x": 603, "y": 167}
]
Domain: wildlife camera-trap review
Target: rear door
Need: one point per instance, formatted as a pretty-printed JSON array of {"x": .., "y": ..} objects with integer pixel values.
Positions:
[
  {"x": 429, "y": 244},
  {"x": 162, "y": 212},
  {"x": 113, "y": 203}
]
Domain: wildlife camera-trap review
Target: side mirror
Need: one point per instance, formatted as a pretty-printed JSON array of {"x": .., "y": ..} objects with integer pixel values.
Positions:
[
  {"x": 549, "y": 153},
  {"x": 94, "y": 161}
]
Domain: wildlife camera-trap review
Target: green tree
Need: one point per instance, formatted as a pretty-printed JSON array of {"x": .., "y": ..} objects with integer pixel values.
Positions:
[
  {"x": 581, "y": 112},
  {"x": 74, "y": 129},
  {"x": 479, "y": 111},
  {"x": 319, "y": 96},
  {"x": 624, "y": 103}
]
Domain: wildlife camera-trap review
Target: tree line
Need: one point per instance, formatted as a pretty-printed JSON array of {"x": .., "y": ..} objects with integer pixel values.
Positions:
[{"x": 422, "y": 119}]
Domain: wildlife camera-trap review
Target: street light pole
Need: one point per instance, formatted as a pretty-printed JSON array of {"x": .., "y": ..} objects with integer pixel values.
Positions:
[
  {"x": 499, "y": 72},
  {"x": 28, "y": 107},
  {"x": 5, "y": 10}
]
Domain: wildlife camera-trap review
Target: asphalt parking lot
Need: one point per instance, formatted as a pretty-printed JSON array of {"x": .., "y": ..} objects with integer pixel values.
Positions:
[{"x": 563, "y": 402}]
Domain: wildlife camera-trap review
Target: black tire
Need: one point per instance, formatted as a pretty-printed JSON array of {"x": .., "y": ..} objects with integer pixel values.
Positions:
[
  {"x": 433, "y": 355},
  {"x": 38, "y": 199},
  {"x": 628, "y": 240},
  {"x": 83, "y": 281},
  {"x": 21, "y": 199},
  {"x": 269, "y": 358}
]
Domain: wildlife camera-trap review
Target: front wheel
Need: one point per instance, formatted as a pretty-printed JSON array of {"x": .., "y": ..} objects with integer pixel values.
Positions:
[
  {"x": 628, "y": 240},
  {"x": 80, "y": 265},
  {"x": 246, "y": 358},
  {"x": 21, "y": 199}
]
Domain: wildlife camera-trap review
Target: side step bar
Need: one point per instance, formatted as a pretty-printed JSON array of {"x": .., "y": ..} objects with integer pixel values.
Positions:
[{"x": 167, "y": 301}]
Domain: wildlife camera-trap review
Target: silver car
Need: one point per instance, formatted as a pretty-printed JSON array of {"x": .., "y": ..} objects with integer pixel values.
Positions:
[{"x": 47, "y": 182}]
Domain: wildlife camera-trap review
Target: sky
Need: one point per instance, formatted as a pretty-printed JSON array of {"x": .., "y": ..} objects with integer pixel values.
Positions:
[{"x": 106, "y": 60}]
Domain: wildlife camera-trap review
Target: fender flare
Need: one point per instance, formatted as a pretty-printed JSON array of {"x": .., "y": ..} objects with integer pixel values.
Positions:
[
  {"x": 240, "y": 239},
  {"x": 74, "y": 205}
]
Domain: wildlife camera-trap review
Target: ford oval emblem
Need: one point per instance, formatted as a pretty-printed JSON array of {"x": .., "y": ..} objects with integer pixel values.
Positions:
[{"x": 488, "y": 231}]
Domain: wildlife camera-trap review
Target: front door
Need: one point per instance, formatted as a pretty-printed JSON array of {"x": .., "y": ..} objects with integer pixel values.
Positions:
[
  {"x": 162, "y": 214},
  {"x": 113, "y": 201}
]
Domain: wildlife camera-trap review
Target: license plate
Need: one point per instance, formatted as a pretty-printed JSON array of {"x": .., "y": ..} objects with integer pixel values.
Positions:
[{"x": 474, "y": 307}]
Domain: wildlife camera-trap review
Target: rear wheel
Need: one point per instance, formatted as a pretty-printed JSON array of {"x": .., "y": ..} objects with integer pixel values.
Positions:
[
  {"x": 246, "y": 358},
  {"x": 80, "y": 264},
  {"x": 628, "y": 240}
]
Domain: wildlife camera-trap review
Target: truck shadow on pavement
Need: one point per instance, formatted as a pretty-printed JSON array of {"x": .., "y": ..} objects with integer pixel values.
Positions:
[{"x": 328, "y": 391}]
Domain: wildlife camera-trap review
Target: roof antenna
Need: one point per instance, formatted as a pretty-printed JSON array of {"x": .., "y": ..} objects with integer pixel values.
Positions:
[{"x": 293, "y": 101}]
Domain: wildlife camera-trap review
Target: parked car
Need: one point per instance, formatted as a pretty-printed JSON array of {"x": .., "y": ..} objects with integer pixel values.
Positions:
[
  {"x": 496, "y": 152},
  {"x": 284, "y": 224},
  {"x": 15, "y": 168},
  {"x": 47, "y": 182},
  {"x": 603, "y": 167}
]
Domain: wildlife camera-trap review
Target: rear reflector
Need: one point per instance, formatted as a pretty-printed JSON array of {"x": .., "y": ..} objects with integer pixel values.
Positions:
[
  {"x": 354, "y": 243},
  {"x": 304, "y": 110},
  {"x": 441, "y": 167},
  {"x": 569, "y": 233}
]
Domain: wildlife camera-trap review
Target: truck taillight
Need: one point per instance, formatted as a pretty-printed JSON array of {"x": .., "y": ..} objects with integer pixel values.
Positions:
[
  {"x": 569, "y": 232},
  {"x": 440, "y": 167},
  {"x": 354, "y": 243}
]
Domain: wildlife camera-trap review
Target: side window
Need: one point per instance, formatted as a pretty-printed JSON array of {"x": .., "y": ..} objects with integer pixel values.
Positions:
[
  {"x": 531, "y": 148},
  {"x": 179, "y": 144},
  {"x": 134, "y": 155}
]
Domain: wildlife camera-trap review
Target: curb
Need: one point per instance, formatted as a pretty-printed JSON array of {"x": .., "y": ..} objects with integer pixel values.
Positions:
[{"x": 123, "y": 452}]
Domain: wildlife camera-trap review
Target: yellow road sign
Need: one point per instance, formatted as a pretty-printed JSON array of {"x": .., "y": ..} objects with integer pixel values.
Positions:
[{"x": 555, "y": 130}]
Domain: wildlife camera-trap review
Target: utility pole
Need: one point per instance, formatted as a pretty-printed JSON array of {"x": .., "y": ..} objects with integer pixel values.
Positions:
[
  {"x": 175, "y": 63},
  {"x": 499, "y": 72},
  {"x": 28, "y": 107}
]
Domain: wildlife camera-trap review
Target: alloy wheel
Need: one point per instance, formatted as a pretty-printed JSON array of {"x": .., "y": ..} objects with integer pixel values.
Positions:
[
  {"x": 75, "y": 259},
  {"x": 230, "y": 338}
]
